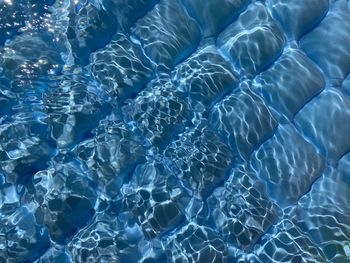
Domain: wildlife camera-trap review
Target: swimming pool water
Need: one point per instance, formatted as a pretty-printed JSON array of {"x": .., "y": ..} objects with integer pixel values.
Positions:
[{"x": 178, "y": 131}]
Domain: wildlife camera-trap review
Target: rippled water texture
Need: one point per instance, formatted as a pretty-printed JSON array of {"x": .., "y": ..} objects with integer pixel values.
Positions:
[{"x": 174, "y": 131}]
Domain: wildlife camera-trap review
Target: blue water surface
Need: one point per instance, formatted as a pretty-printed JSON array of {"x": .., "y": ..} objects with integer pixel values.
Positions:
[{"x": 160, "y": 131}]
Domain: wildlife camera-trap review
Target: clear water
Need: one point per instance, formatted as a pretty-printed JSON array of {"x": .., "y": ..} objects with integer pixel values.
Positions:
[{"x": 162, "y": 131}]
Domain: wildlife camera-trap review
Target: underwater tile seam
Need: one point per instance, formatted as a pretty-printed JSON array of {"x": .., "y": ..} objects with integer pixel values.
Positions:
[{"x": 168, "y": 131}]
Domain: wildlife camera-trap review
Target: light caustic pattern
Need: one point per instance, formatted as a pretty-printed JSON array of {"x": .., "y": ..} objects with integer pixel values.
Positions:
[{"x": 162, "y": 131}]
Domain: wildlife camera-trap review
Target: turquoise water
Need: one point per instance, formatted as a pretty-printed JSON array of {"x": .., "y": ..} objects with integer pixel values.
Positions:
[{"x": 178, "y": 131}]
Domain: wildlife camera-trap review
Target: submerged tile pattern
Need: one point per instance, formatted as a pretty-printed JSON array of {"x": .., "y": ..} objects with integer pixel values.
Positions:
[{"x": 174, "y": 131}]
